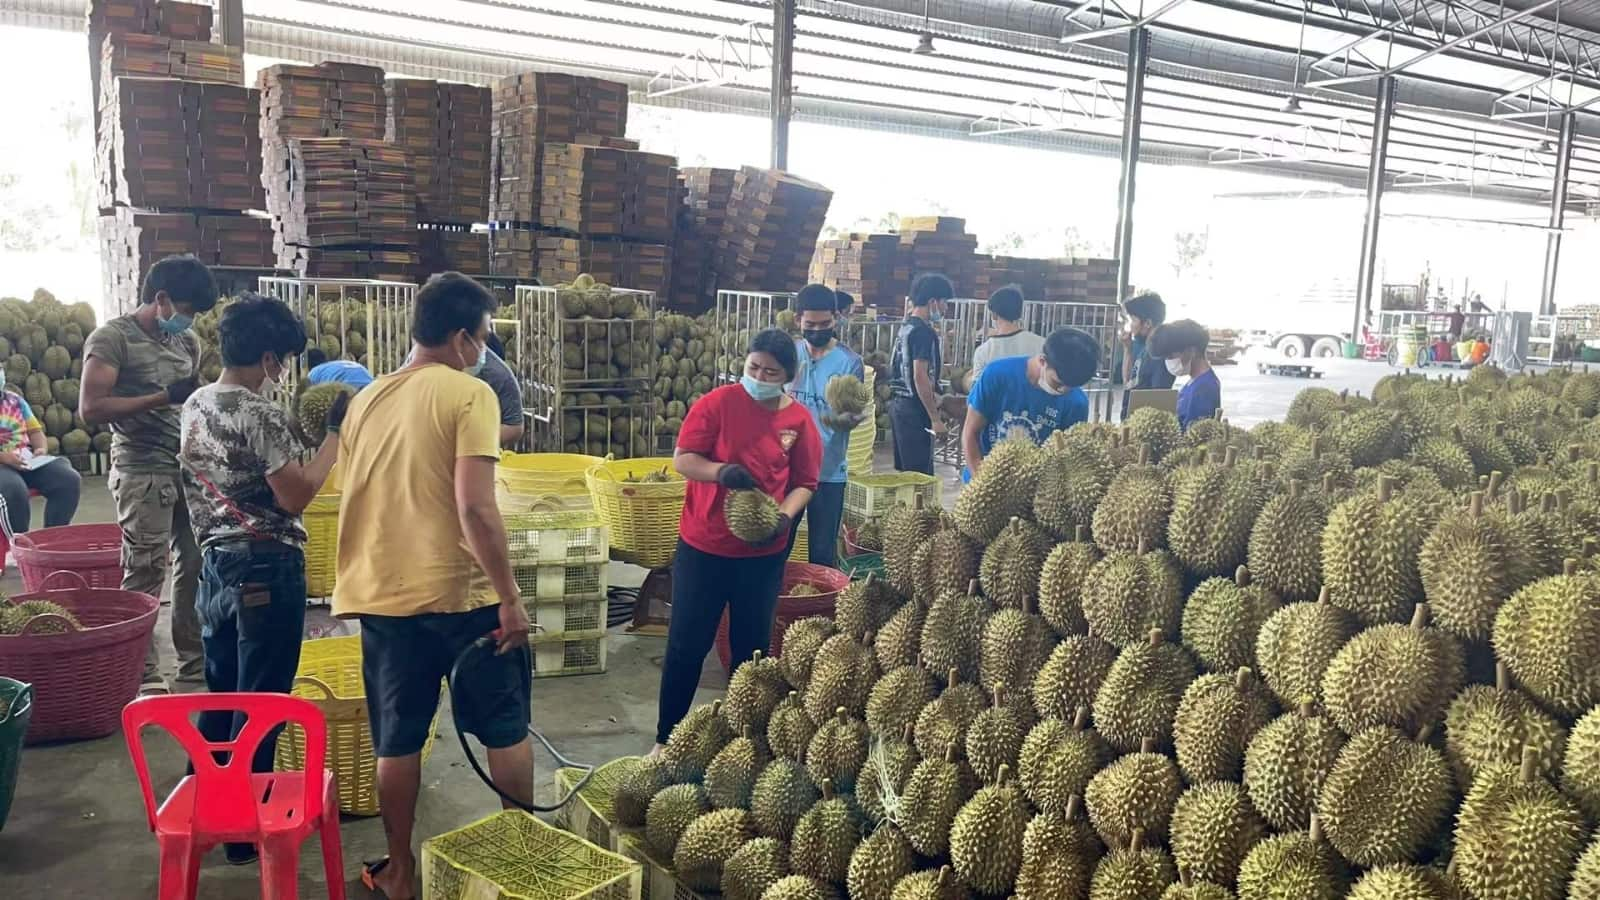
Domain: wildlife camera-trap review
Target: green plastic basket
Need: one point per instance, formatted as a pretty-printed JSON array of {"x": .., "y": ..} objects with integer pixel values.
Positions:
[{"x": 17, "y": 698}]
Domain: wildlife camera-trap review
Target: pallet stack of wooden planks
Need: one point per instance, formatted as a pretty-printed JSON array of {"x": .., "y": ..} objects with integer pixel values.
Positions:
[
  {"x": 862, "y": 265},
  {"x": 445, "y": 129},
  {"x": 770, "y": 231}
]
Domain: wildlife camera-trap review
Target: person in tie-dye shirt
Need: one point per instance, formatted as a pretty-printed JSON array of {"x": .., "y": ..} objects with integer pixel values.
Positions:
[{"x": 21, "y": 441}]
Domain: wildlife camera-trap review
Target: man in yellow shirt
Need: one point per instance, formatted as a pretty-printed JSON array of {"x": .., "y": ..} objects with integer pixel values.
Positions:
[{"x": 423, "y": 562}]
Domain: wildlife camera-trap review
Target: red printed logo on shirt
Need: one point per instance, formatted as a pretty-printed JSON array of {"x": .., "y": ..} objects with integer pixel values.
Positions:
[{"x": 787, "y": 437}]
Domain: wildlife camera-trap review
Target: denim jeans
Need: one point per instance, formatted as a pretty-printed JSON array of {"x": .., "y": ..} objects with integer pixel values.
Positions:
[
  {"x": 823, "y": 515},
  {"x": 252, "y": 609}
]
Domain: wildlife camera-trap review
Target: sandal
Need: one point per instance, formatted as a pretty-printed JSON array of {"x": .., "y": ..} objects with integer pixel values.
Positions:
[{"x": 369, "y": 871}]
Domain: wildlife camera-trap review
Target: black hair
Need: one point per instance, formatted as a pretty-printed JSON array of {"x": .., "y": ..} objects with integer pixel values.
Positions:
[
  {"x": 1148, "y": 306},
  {"x": 1175, "y": 337},
  {"x": 184, "y": 279},
  {"x": 449, "y": 302},
  {"x": 780, "y": 346},
  {"x": 494, "y": 343},
  {"x": 816, "y": 298},
  {"x": 845, "y": 302},
  {"x": 1006, "y": 303},
  {"x": 930, "y": 286},
  {"x": 253, "y": 326},
  {"x": 315, "y": 357},
  {"x": 1073, "y": 355}
]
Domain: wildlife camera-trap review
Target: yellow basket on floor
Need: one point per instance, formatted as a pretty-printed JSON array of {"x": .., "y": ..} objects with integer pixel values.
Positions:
[
  {"x": 858, "y": 455},
  {"x": 801, "y": 552},
  {"x": 544, "y": 474},
  {"x": 330, "y": 677},
  {"x": 642, "y": 516},
  {"x": 322, "y": 543},
  {"x": 512, "y": 855}
]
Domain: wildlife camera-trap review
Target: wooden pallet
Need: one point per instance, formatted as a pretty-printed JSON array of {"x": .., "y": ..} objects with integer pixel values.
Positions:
[{"x": 1292, "y": 370}]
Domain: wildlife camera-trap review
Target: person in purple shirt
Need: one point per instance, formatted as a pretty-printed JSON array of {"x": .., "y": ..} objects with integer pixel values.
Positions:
[{"x": 1183, "y": 345}]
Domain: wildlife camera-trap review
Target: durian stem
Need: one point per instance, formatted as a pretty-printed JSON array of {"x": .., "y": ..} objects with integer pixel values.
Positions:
[
  {"x": 1496, "y": 479},
  {"x": 952, "y": 678},
  {"x": 1136, "y": 841},
  {"x": 1385, "y": 489},
  {"x": 1475, "y": 505},
  {"x": 999, "y": 695},
  {"x": 1155, "y": 637},
  {"x": 1424, "y": 733},
  {"x": 1530, "y": 763},
  {"x": 1316, "y": 829},
  {"x": 827, "y": 789},
  {"x": 1419, "y": 616},
  {"x": 1080, "y": 718},
  {"x": 1072, "y": 808},
  {"x": 1185, "y": 878},
  {"x": 1241, "y": 679},
  {"x": 1324, "y": 594},
  {"x": 1080, "y": 534},
  {"x": 1306, "y": 708},
  {"x": 1296, "y": 486},
  {"x": 1147, "y": 745},
  {"x": 1502, "y": 677},
  {"x": 1547, "y": 503},
  {"x": 1241, "y": 576},
  {"x": 1327, "y": 483},
  {"x": 1569, "y": 566},
  {"x": 1574, "y": 452}
]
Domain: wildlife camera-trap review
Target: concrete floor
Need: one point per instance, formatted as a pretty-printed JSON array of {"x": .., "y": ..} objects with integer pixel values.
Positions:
[{"x": 77, "y": 826}]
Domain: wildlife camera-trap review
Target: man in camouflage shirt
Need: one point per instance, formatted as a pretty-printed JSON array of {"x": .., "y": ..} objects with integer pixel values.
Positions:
[{"x": 137, "y": 371}]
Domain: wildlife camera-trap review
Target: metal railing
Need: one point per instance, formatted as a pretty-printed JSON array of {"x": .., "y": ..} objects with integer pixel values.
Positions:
[{"x": 368, "y": 321}]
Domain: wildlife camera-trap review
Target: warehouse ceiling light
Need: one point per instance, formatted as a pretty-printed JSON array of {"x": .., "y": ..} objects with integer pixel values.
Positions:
[{"x": 924, "y": 45}]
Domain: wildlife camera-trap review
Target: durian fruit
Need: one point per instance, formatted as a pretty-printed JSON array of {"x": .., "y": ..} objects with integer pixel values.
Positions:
[
  {"x": 1061, "y": 581},
  {"x": 754, "y": 691},
  {"x": 311, "y": 405},
  {"x": 1285, "y": 550},
  {"x": 866, "y": 606},
  {"x": 1189, "y": 889},
  {"x": 731, "y": 776},
  {"x": 801, "y": 641},
  {"x": 1546, "y": 635},
  {"x": 1548, "y": 536},
  {"x": 696, "y": 741},
  {"x": 1488, "y": 451},
  {"x": 1313, "y": 407},
  {"x": 1404, "y": 882},
  {"x": 879, "y": 862},
  {"x": 920, "y": 588},
  {"x": 1470, "y": 563},
  {"x": 1058, "y": 852},
  {"x": 838, "y": 751},
  {"x": 1072, "y": 676},
  {"x": 1369, "y": 554},
  {"x": 1127, "y": 594},
  {"x": 670, "y": 813},
  {"x": 931, "y": 884},
  {"x": 1136, "y": 792},
  {"x": 1015, "y": 645},
  {"x": 13, "y": 618},
  {"x": 707, "y": 844},
  {"x": 905, "y": 529},
  {"x": 789, "y": 728},
  {"x": 956, "y": 560},
  {"x": 752, "y": 515},
  {"x": 842, "y": 675},
  {"x": 1297, "y": 864},
  {"x": 1297, "y": 643},
  {"x": 1058, "y": 759},
  {"x": 783, "y": 793},
  {"x": 1135, "y": 508},
  {"x": 900, "y": 641},
  {"x": 1385, "y": 798},
  {"x": 801, "y": 887},
  {"x": 897, "y": 699},
  {"x": 825, "y": 837},
  {"x": 1073, "y": 476},
  {"x": 1516, "y": 836},
  {"x": 1009, "y": 571},
  {"x": 1213, "y": 509},
  {"x": 1156, "y": 429},
  {"x": 847, "y": 395},
  {"x": 1136, "y": 872},
  {"x": 753, "y": 868},
  {"x": 1399, "y": 675},
  {"x": 883, "y": 778},
  {"x": 1002, "y": 490},
  {"x": 1580, "y": 767},
  {"x": 1222, "y": 620},
  {"x": 631, "y": 799},
  {"x": 994, "y": 739},
  {"x": 952, "y": 633},
  {"x": 1213, "y": 827},
  {"x": 1287, "y": 763},
  {"x": 1368, "y": 437},
  {"x": 1313, "y": 463},
  {"x": 986, "y": 836},
  {"x": 1486, "y": 725},
  {"x": 1447, "y": 460},
  {"x": 935, "y": 792},
  {"x": 1216, "y": 719},
  {"x": 1140, "y": 695},
  {"x": 1586, "y": 875},
  {"x": 942, "y": 725}
]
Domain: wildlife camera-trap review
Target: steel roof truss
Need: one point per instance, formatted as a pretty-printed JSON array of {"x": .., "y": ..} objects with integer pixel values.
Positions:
[{"x": 730, "y": 59}]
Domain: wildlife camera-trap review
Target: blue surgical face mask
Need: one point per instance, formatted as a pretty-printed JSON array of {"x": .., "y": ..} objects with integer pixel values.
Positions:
[
  {"x": 483, "y": 360},
  {"x": 178, "y": 323},
  {"x": 760, "y": 390}
]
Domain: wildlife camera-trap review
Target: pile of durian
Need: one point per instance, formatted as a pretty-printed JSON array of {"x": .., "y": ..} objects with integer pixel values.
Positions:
[{"x": 1352, "y": 654}]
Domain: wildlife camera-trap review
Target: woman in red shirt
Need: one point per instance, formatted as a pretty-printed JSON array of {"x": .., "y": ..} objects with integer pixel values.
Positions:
[{"x": 739, "y": 436}]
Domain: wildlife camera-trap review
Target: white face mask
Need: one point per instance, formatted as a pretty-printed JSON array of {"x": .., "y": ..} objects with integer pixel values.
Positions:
[
  {"x": 1176, "y": 366},
  {"x": 1048, "y": 385}
]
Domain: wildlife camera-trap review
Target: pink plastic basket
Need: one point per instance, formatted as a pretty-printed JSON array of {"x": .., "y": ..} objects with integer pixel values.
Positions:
[
  {"x": 792, "y": 608},
  {"x": 92, "y": 552},
  {"x": 81, "y": 679}
]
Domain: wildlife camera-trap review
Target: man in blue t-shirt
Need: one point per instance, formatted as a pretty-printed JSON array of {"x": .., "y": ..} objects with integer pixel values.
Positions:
[
  {"x": 321, "y": 370},
  {"x": 1038, "y": 394},
  {"x": 1183, "y": 345},
  {"x": 822, "y": 359}
]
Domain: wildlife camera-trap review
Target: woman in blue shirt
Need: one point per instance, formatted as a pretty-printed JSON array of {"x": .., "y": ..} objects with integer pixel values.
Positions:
[
  {"x": 1183, "y": 345},
  {"x": 822, "y": 359}
]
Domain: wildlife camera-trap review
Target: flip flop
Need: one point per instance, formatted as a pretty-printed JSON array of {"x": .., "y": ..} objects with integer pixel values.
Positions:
[{"x": 369, "y": 871}]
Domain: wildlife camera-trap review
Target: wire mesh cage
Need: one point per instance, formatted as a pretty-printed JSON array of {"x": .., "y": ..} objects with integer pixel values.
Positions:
[
  {"x": 596, "y": 424},
  {"x": 738, "y": 316},
  {"x": 368, "y": 322}
]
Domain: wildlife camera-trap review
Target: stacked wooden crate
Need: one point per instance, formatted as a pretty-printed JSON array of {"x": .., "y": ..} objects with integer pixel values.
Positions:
[
  {"x": 171, "y": 144},
  {"x": 939, "y": 244},
  {"x": 770, "y": 231},
  {"x": 132, "y": 240},
  {"x": 1084, "y": 281},
  {"x": 450, "y": 248},
  {"x": 862, "y": 265},
  {"x": 513, "y": 252},
  {"x": 607, "y": 211},
  {"x": 631, "y": 264},
  {"x": 183, "y": 21},
  {"x": 705, "y": 193},
  {"x": 445, "y": 128},
  {"x": 535, "y": 108}
]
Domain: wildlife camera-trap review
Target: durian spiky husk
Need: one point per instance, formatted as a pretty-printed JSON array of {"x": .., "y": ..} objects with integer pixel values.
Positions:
[
  {"x": 1134, "y": 510},
  {"x": 1126, "y": 595},
  {"x": 732, "y": 773},
  {"x": 801, "y": 641},
  {"x": 898, "y": 698},
  {"x": 866, "y": 606},
  {"x": 1399, "y": 675},
  {"x": 1137, "y": 792},
  {"x": 842, "y": 675},
  {"x": 1297, "y": 864},
  {"x": 1213, "y": 827},
  {"x": 695, "y": 741},
  {"x": 1222, "y": 620},
  {"x": 1156, "y": 429},
  {"x": 1057, "y": 761},
  {"x": 1370, "y": 548},
  {"x": 942, "y": 725},
  {"x": 671, "y": 811},
  {"x": 1216, "y": 719},
  {"x": 631, "y": 799},
  {"x": 311, "y": 405},
  {"x": 878, "y": 864},
  {"x": 755, "y": 689},
  {"x": 1285, "y": 550},
  {"x": 782, "y": 794},
  {"x": 1010, "y": 568},
  {"x": 1405, "y": 882},
  {"x": 1546, "y": 635},
  {"x": 838, "y": 751},
  {"x": 931, "y": 884},
  {"x": 753, "y": 868},
  {"x": 1580, "y": 767},
  {"x": 1470, "y": 563},
  {"x": 1001, "y": 491},
  {"x": 1073, "y": 477},
  {"x": 1586, "y": 875},
  {"x": 1213, "y": 509},
  {"x": 905, "y": 529},
  {"x": 1058, "y": 855},
  {"x": 1072, "y": 676},
  {"x": 1014, "y": 647},
  {"x": 1061, "y": 581},
  {"x": 1140, "y": 695},
  {"x": 1516, "y": 836},
  {"x": 789, "y": 729},
  {"x": 1142, "y": 873},
  {"x": 994, "y": 739},
  {"x": 825, "y": 838},
  {"x": 1485, "y": 725},
  {"x": 801, "y": 887},
  {"x": 1385, "y": 798},
  {"x": 751, "y": 515},
  {"x": 900, "y": 641},
  {"x": 952, "y": 633},
  {"x": 935, "y": 792},
  {"x": 1297, "y": 643},
  {"x": 883, "y": 778},
  {"x": 1287, "y": 763},
  {"x": 707, "y": 844}
]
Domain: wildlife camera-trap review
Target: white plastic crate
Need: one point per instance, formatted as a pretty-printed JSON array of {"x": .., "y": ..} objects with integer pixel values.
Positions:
[
  {"x": 571, "y": 538},
  {"x": 545, "y": 584},
  {"x": 659, "y": 881},
  {"x": 570, "y": 616},
  {"x": 868, "y": 498},
  {"x": 569, "y": 655}
]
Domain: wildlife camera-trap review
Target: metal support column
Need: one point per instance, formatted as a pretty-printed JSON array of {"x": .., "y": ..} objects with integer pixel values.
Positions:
[
  {"x": 1132, "y": 118},
  {"x": 1558, "y": 214},
  {"x": 782, "y": 79},
  {"x": 1377, "y": 163},
  {"x": 230, "y": 22}
]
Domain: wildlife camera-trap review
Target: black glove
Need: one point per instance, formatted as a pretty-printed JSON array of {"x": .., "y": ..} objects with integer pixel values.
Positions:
[
  {"x": 335, "y": 416},
  {"x": 735, "y": 477},
  {"x": 179, "y": 391},
  {"x": 784, "y": 524}
]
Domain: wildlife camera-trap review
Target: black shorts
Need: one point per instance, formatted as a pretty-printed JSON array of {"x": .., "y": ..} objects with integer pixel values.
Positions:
[{"x": 405, "y": 657}]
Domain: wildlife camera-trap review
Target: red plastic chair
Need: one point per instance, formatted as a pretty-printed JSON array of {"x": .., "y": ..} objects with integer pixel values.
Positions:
[{"x": 277, "y": 811}]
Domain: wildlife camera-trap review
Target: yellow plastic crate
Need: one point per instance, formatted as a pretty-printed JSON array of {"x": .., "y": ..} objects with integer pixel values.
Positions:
[
  {"x": 801, "y": 552},
  {"x": 568, "y": 654},
  {"x": 329, "y": 676},
  {"x": 556, "y": 538},
  {"x": 869, "y": 498},
  {"x": 511, "y": 855},
  {"x": 642, "y": 517},
  {"x": 574, "y": 616},
  {"x": 544, "y": 584},
  {"x": 659, "y": 881},
  {"x": 591, "y": 814},
  {"x": 322, "y": 543},
  {"x": 858, "y": 456},
  {"x": 542, "y": 474}
]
